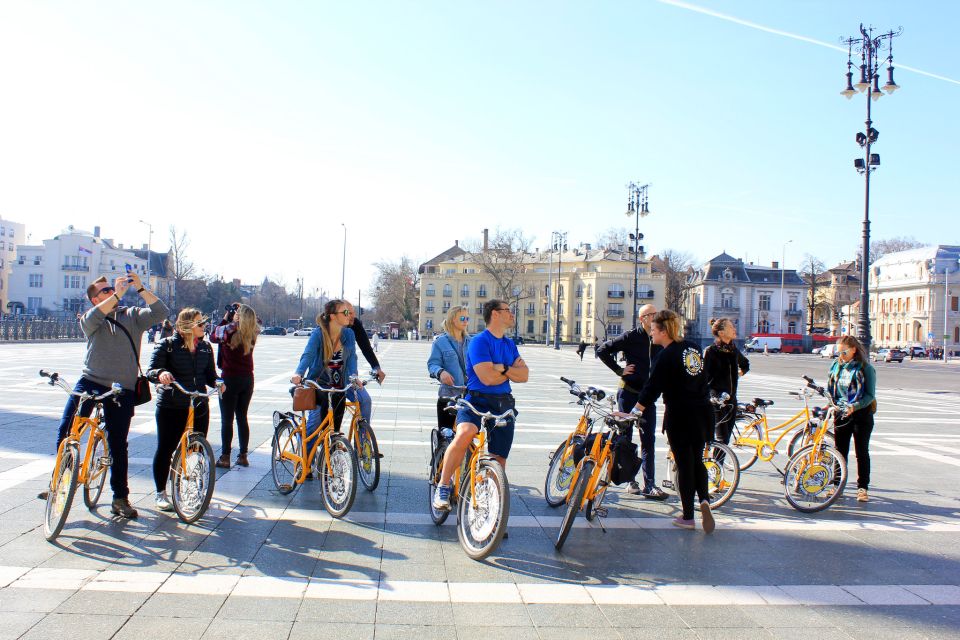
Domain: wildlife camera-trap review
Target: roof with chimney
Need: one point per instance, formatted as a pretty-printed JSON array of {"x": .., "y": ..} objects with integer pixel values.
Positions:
[
  {"x": 726, "y": 268},
  {"x": 453, "y": 252}
]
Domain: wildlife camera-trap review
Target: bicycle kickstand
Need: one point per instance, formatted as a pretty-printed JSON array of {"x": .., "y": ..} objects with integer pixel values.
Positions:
[{"x": 601, "y": 513}]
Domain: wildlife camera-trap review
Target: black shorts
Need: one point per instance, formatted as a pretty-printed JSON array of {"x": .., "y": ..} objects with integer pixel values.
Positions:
[{"x": 499, "y": 439}]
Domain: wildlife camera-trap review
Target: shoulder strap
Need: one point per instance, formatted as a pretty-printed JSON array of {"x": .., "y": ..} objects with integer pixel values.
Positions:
[{"x": 136, "y": 354}]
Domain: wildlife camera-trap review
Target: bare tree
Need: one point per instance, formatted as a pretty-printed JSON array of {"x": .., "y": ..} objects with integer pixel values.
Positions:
[
  {"x": 675, "y": 267},
  {"x": 614, "y": 236},
  {"x": 181, "y": 268},
  {"x": 504, "y": 260},
  {"x": 811, "y": 270},
  {"x": 394, "y": 293},
  {"x": 880, "y": 248}
]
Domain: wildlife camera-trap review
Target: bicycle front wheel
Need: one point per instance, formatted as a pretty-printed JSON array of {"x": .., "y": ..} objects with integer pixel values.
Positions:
[
  {"x": 368, "y": 455},
  {"x": 603, "y": 481},
  {"x": 559, "y": 473},
  {"x": 436, "y": 466},
  {"x": 193, "y": 476},
  {"x": 97, "y": 473},
  {"x": 744, "y": 429},
  {"x": 576, "y": 499},
  {"x": 814, "y": 478},
  {"x": 482, "y": 516},
  {"x": 63, "y": 486},
  {"x": 286, "y": 456},
  {"x": 804, "y": 437},
  {"x": 723, "y": 473},
  {"x": 338, "y": 482}
]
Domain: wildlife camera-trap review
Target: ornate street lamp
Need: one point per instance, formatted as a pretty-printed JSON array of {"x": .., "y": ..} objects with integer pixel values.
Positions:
[{"x": 636, "y": 207}]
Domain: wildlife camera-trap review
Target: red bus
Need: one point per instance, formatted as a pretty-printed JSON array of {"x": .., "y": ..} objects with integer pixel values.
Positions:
[{"x": 787, "y": 342}]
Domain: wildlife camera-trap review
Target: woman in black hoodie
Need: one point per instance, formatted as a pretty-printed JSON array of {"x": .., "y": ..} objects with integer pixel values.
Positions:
[{"x": 724, "y": 364}]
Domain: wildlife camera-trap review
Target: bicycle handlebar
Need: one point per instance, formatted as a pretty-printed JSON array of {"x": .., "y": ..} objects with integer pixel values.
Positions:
[
  {"x": 592, "y": 392},
  {"x": 193, "y": 394},
  {"x": 720, "y": 400},
  {"x": 499, "y": 420},
  {"x": 56, "y": 380}
]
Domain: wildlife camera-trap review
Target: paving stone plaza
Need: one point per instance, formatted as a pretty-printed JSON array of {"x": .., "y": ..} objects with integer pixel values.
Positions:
[{"x": 263, "y": 565}]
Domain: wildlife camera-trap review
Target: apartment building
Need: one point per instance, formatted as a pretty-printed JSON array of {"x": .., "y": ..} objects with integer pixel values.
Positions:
[{"x": 12, "y": 235}]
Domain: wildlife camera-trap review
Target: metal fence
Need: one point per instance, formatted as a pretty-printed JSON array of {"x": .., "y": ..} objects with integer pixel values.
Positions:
[{"x": 39, "y": 330}]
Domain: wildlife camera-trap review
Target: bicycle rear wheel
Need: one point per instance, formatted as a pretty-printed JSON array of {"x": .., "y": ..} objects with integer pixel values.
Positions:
[
  {"x": 193, "y": 476},
  {"x": 338, "y": 483},
  {"x": 286, "y": 456},
  {"x": 97, "y": 474},
  {"x": 436, "y": 465},
  {"x": 745, "y": 428},
  {"x": 723, "y": 473},
  {"x": 576, "y": 499},
  {"x": 482, "y": 518},
  {"x": 814, "y": 478},
  {"x": 63, "y": 486},
  {"x": 368, "y": 455},
  {"x": 603, "y": 482},
  {"x": 559, "y": 473}
]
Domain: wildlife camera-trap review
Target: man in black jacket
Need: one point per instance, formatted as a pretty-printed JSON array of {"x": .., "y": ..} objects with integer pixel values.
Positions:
[{"x": 640, "y": 354}]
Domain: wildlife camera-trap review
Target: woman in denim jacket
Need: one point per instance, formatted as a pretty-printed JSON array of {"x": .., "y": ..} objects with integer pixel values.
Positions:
[
  {"x": 329, "y": 359},
  {"x": 447, "y": 362}
]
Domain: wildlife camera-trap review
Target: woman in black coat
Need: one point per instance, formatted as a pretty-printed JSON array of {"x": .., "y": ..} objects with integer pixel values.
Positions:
[
  {"x": 678, "y": 375},
  {"x": 187, "y": 358},
  {"x": 724, "y": 364}
]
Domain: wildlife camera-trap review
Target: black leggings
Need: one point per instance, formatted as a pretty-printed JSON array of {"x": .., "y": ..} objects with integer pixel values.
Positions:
[
  {"x": 171, "y": 421},
  {"x": 445, "y": 419},
  {"x": 686, "y": 442},
  {"x": 859, "y": 427},
  {"x": 235, "y": 402}
]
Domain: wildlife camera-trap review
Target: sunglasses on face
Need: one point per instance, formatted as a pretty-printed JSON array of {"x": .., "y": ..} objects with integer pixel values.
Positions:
[
  {"x": 107, "y": 290},
  {"x": 843, "y": 352},
  {"x": 346, "y": 312},
  {"x": 464, "y": 318}
]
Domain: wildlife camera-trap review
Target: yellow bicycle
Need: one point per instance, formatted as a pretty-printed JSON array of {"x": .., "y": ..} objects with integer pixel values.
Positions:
[
  {"x": 561, "y": 469},
  {"x": 70, "y": 468},
  {"x": 364, "y": 440}
]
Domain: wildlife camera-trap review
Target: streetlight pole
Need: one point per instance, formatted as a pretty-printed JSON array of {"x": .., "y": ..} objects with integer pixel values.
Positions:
[
  {"x": 783, "y": 268},
  {"x": 946, "y": 303},
  {"x": 546, "y": 337},
  {"x": 149, "y": 245},
  {"x": 637, "y": 207},
  {"x": 870, "y": 48},
  {"x": 343, "y": 268},
  {"x": 561, "y": 238}
]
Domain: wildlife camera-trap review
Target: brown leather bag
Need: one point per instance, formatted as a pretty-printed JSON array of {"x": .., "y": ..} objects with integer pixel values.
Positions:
[{"x": 304, "y": 399}]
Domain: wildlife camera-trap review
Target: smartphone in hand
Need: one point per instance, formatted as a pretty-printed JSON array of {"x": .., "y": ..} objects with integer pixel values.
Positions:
[{"x": 129, "y": 268}]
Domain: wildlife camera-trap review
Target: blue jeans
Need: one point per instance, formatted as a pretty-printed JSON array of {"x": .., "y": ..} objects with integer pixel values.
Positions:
[
  {"x": 626, "y": 400},
  {"x": 116, "y": 419},
  {"x": 366, "y": 403}
]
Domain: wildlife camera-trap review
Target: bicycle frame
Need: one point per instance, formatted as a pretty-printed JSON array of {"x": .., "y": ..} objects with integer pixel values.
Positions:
[
  {"x": 600, "y": 453},
  {"x": 323, "y": 431},
  {"x": 767, "y": 449},
  {"x": 78, "y": 428}
]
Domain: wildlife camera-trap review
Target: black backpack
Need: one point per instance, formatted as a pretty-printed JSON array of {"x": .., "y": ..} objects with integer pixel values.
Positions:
[{"x": 626, "y": 462}]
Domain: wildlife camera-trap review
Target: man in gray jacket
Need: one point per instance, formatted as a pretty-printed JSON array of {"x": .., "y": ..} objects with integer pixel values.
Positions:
[{"x": 112, "y": 358}]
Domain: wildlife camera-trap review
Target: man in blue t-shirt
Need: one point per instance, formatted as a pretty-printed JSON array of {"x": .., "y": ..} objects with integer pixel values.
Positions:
[{"x": 493, "y": 362}]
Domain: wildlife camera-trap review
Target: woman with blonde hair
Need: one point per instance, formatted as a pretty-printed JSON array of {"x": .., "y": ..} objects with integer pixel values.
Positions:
[
  {"x": 852, "y": 383},
  {"x": 237, "y": 336},
  {"x": 329, "y": 359},
  {"x": 187, "y": 358},
  {"x": 688, "y": 420},
  {"x": 447, "y": 362}
]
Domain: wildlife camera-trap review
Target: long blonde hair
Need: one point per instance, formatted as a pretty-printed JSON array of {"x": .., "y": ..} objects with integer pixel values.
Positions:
[
  {"x": 669, "y": 322},
  {"x": 187, "y": 319},
  {"x": 323, "y": 321},
  {"x": 247, "y": 329},
  {"x": 450, "y": 323}
]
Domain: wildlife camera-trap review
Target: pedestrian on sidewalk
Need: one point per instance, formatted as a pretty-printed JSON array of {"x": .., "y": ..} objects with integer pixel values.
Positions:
[
  {"x": 581, "y": 348},
  {"x": 724, "y": 364},
  {"x": 447, "y": 363},
  {"x": 852, "y": 383},
  {"x": 237, "y": 335}
]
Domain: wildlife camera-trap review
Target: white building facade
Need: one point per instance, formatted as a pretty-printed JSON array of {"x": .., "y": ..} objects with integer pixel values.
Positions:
[
  {"x": 12, "y": 235},
  {"x": 51, "y": 279}
]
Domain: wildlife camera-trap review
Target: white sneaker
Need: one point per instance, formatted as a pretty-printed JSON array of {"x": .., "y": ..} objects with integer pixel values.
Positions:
[{"x": 162, "y": 503}]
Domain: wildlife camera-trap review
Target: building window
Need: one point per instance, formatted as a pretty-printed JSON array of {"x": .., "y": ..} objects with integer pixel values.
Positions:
[
  {"x": 544, "y": 327},
  {"x": 36, "y": 261},
  {"x": 906, "y": 305},
  {"x": 36, "y": 280},
  {"x": 431, "y": 290},
  {"x": 446, "y": 306},
  {"x": 482, "y": 291},
  {"x": 429, "y": 306},
  {"x": 764, "y": 302},
  {"x": 579, "y": 310},
  {"x": 529, "y": 326},
  {"x": 726, "y": 298},
  {"x": 589, "y": 290},
  {"x": 546, "y": 291},
  {"x": 560, "y": 308},
  {"x": 763, "y": 326},
  {"x": 589, "y": 308},
  {"x": 560, "y": 289},
  {"x": 614, "y": 329},
  {"x": 576, "y": 328},
  {"x": 429, "y": 323},
  {"x": 464, "y": 291},
  {"x": 532, "y": 290},
  {"x": 792, "y": 327},
  {"x": 447, "y": 291},
  {"x": 615, "y": 291},
  {"x": 579, "y": 293},
  {"x": 516, "y": 291},
  {"x": 953, "y": 303},
  {"x": 793, "y": 303},
  {"x": 531, "y": 309},
  {"x": 33, "y": 304},
  {"x": 956, "y": 335}
]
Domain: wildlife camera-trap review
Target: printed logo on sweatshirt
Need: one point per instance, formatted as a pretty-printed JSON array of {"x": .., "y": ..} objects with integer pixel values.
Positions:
[{"x": 692, "y": 361}]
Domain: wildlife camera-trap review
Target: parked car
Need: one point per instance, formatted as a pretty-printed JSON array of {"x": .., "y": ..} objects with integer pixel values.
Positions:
[
  {"x": 303, "y": 331},
  {"x": 888, "y": 355},
  {"x": 274, "y": 331},
  {"x": 829, "y": 351},
  {"x": 817, "y": 350},
  {"x": 917, "y": 352}
]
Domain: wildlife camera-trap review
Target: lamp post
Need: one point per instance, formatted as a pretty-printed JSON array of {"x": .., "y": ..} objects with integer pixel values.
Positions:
[
  {"x": 149, "y": 244},
  {"x": 561, "y": 239},
  {"x": 637, "y": 207},
  {"x": 946, "y": 304},
  {"x": 783, "y": 268},
  {"x": 546, "y": 337},
  {"x": 343, "y": 268},
  {"x": 870, "y": 48}
]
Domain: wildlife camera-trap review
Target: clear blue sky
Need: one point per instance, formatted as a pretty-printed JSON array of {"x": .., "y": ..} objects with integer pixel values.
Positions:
[{"x": 260, "y": 127}]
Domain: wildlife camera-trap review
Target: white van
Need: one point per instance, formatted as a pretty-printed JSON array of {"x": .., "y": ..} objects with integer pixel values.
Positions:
[
  {"x": 758, "y": 343},
  {"x": 829, "y": 350}
]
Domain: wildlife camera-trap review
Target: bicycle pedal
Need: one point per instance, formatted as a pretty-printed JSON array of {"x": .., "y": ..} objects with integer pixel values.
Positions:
[
  {"x": 286, "y": 487},
  {"x": 106, "y": 461}
]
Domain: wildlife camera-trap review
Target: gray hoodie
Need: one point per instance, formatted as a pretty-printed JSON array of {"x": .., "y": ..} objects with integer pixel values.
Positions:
[{"x": 109, "y": 355}]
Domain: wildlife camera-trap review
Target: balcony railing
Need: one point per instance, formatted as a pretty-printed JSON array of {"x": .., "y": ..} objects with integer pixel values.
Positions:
[
  {"x": 616, "y": 294},
  {"x": 793, "y": 313},
  {"x": 75, "y": 267},
  {"x": 613, "y": 313},
  {"x": 481, "y": 293},
  {"x": 430, "y": 292},
  {"x": 726, "y": 311},
  {"x": 447, "y": 294}
]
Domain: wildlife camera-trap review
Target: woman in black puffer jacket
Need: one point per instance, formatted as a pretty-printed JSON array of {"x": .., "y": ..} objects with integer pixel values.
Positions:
[
  {"x": 724, "y": 364},
  {"x": 187, "y": 358}
]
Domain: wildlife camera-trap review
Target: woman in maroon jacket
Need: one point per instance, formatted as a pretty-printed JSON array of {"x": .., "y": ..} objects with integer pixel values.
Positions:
[{"x": 237, "y": 335}]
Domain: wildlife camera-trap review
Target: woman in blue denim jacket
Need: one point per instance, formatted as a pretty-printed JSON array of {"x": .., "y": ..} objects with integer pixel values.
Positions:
[
  {"x": 329, "y": 359},
  {"x": 447, "y": 362}
]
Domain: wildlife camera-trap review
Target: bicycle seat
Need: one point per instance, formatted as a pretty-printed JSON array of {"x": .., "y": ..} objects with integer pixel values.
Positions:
[{"x": 760, "y": 402}]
